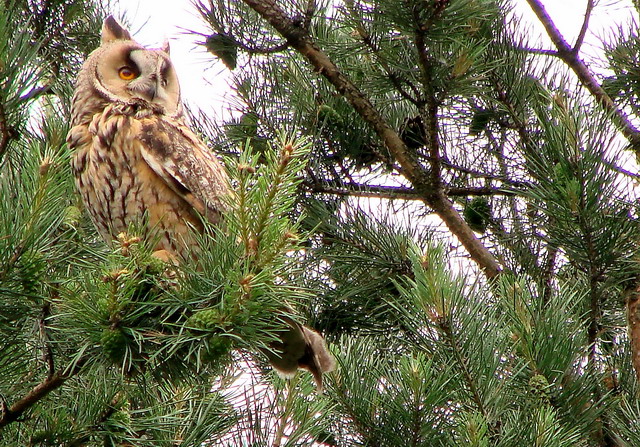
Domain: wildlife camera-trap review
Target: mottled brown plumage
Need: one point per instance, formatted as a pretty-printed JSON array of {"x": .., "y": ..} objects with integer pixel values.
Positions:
[{"x": 136, "y": 162}]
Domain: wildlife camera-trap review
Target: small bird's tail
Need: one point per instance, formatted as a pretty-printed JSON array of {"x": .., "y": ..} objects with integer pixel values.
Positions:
[{"x": 301, "y": 348}]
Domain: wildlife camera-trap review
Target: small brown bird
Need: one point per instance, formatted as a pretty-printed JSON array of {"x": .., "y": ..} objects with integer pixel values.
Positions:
[{"x": 134, "y": 159}]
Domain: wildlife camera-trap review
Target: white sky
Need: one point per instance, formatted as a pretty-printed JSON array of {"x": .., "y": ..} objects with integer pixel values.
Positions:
[{"x": 204, "y": 80}]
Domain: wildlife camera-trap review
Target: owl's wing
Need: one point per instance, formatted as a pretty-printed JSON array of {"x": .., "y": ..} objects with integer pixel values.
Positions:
[{"x": 179, "y": 157}]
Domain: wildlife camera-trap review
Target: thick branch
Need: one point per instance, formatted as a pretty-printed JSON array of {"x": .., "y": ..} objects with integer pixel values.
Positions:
[
  {"x": 570, "y": 57},
  {"x": 408, "y": 160},
  {"x": 54, "y": 381}
]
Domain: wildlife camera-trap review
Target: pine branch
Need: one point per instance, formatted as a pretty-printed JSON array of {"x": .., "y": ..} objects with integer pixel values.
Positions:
[
  {"x": 396, "y": 192},
  {"x": 633, "y": 318},
  {"x": 283, "y": 419},
  {"x": 12, "y": 413},
  {"x": 47, "y": 350},
  {"x": 407, "y": 159},
  {"x": 5, "y": 132},
  {"x": 104, "y": 416},
  {"x": 463, "y": 362},
  {"x": 485, "y": 176},
  {"x": 395, "y": 80},
  {"x": 570, "y": 56}
]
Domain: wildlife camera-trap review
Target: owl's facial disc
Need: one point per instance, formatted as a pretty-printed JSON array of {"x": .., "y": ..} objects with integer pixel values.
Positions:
[
  {"x": 152, "y": 83},
  {"x": 127, "y": 71}
]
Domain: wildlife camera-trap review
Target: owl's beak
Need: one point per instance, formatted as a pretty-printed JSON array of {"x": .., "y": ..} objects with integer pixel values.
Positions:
[{"x": 152, "y": 90}]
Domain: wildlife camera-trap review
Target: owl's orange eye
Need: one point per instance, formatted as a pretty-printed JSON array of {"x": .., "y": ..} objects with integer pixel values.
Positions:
[{"x": 126, "y": 73}]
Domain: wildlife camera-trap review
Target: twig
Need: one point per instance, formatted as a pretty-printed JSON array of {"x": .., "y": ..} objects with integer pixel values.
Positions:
[
  {"x": 37, "y": 92},
  {"x": 443, "y": 322},
  {"x": 104, "y": 416},
  {"x": 633, "y": 317},
  {"x": 547, "y": 273},
  {"x": 585, "y": 27},
  {"x": 542, "y": 51},
  {"x": 408, "y": 160},
  {"x": 430, "y": 115},
  {"x": 395, "y": 80},
  {"x": 308, "y": 13},
  {"x": 48, "y": 352},
  {"x": 56, "y": 380},
  {"x": 569, "y": 56},
  {"x": 478, "y": 191},
  {"x": 4, "y": 131},
  {"x": 262, "y": 50}
]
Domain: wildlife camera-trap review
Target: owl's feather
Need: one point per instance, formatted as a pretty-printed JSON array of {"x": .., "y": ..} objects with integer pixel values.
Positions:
[{"x": 178, "y": 157}]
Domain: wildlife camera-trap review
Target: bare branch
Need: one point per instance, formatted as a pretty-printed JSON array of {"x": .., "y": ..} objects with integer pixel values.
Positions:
[
  {"x": 37, "y": 92},
  {"x": 262, "y": 50},
  {"x": 478, "y": 191},
  {"x": 570, "y": 57},
  {"x": 397, "y": 192},
  {"x": 585, "y": 27},
  {"x": 538, "y": 51}
]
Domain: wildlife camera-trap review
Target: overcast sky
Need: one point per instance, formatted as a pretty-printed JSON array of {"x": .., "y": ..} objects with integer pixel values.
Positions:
[{"x": 204, "y": 82}]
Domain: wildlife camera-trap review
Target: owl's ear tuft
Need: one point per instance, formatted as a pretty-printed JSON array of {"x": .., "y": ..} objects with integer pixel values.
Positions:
[
  {"x": 112, "y": 30},
  {"x": 166, "y": 47}
]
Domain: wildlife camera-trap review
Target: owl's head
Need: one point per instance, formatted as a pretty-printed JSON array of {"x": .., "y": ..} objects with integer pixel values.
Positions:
[{"x": 121, "y": 69}]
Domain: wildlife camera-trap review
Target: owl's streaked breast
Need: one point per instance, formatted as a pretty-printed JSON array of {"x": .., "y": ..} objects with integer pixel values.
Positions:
[{"x": 119, "y": 188}]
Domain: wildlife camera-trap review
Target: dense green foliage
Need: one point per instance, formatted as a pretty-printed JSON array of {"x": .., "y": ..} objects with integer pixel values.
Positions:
[{"x": 501, "y": 321}]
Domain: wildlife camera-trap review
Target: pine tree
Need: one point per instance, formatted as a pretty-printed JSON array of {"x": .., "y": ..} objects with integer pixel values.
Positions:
[
  {"x": 493, "y": 300},
  {"x": 511, "y": 320},
  {"x": 106, "y": 345}
]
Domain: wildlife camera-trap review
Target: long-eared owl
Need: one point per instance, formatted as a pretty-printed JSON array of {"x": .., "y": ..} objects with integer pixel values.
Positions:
[{"x": 134, "y": 158}]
